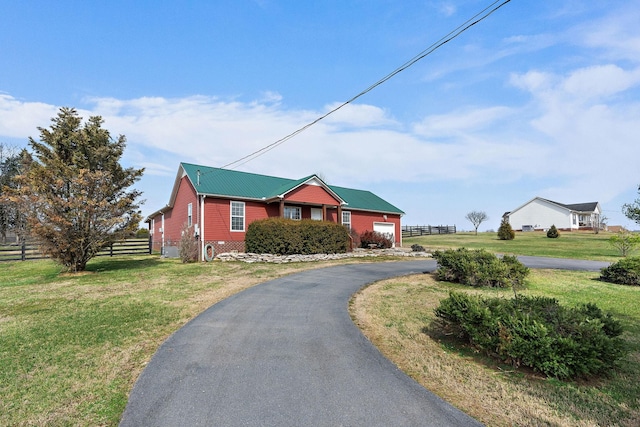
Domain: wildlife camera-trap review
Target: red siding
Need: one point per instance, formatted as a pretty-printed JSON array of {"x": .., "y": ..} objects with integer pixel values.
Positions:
[
  {"x": 314, "y": 194},
  {"x": 175, "y": 218},
  {"x": 217, "y": 214},
  {"x": 362, "y": 221}
]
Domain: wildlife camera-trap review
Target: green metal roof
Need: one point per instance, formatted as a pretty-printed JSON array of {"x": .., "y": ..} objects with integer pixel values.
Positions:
[
  {"x": 364, "y": 200},
  {"x": 225, "y": 182}
]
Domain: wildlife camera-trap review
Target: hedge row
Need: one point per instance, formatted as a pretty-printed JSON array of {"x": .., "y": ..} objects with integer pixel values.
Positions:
[
  {"x": 536, "y": 332},
  {"x": 280, "y": 236}
]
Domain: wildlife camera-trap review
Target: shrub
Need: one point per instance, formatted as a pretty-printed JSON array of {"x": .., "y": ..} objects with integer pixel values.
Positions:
[
  {"x": 625, "y": 242},
  {"x": 624, "y": 272},
  {"x": 142, "y": 233},
  {"x": 417, "y": 248},
  {"x": 552, "y": 232},
  {"x": 188, "y": 250},
  {"x": 380, "y": 240},
  {"x": 479, "y": 268},
  {"x": 536, "y": 332},
  {"x": 355, "y": 238},
  {"x": 505, "y": 232},
  {"x": 288, "y": 237}
]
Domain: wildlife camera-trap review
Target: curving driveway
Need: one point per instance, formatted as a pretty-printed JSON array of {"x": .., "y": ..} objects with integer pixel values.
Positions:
[{"x": 286, "y": 353}]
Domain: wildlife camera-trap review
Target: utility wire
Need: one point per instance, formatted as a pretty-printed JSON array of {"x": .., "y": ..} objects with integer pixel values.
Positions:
[{"x": 478, "y": 17}]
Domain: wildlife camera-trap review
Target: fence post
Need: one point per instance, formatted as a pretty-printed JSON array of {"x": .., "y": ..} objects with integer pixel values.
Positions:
[
  {"x": 111, "y": 249},
  {"x": 150, "y": 244},
  {"x": 23, "y": 255}
]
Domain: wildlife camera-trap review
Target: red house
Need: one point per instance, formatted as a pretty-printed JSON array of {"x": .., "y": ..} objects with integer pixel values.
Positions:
[{"x": 219, "y": 204}]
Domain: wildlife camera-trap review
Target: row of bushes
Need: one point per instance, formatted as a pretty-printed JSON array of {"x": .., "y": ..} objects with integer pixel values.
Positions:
[
  {"x": 288, "y": 237},
  {"x": 536, "y": 332}
]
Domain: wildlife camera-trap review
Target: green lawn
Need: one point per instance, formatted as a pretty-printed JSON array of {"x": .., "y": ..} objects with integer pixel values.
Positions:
[
  {"x": 72, "y": 345},
  {"x": 579, "y": 245}
]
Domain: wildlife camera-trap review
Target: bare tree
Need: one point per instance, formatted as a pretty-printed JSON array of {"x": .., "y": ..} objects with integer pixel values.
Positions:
[{"x": 476, "y": 218}]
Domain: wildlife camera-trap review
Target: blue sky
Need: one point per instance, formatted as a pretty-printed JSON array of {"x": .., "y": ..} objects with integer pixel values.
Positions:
[{"x": 540, "y": 99}]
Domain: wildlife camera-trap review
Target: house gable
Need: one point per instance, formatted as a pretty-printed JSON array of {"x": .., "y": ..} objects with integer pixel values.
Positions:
[{"x": 312, "y": 194}]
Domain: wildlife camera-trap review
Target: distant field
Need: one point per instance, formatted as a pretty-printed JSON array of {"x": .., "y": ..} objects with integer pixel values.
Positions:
[{"x": 578, "y": 245}]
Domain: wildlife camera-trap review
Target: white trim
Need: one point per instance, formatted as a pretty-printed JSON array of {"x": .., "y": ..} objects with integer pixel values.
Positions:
[
  {"x": 342, "y": 219},
  {"x": 162, "y": 247},
  {"x": 201, "y": 220},
  {"x": 231, "y": 216}
]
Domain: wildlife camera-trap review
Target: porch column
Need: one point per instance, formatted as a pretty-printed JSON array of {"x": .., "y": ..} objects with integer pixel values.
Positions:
[
  {"x": 281, "y": 208},
  {"x": 339, "y": 218},
  {"x": 324, "y": 212}
]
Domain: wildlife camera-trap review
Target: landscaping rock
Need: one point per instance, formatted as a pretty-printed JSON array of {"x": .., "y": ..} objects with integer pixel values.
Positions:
[{"x": 283, "y": 259}]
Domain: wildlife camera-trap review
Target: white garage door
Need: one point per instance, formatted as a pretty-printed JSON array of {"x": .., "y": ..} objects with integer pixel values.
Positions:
[{"x": 387, "y": 228}]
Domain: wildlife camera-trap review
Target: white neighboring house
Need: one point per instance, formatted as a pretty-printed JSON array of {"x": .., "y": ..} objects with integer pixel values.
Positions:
[{"x": 541, "y": 214}]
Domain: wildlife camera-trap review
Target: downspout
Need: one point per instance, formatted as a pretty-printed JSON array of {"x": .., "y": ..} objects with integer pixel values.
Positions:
[
  {"x": 201, "y": 219},
  {"x": 162, "y": 248}
]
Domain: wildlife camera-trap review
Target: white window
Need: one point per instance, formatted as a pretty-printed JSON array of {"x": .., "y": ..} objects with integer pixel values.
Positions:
[
  {"x": 346, "y": 219},
  {"x": 237, "y": 216},
  {"x": 316, "y": 214},
  {"x": 189, "y": 214},
  {"x": 292, "y": 212}
]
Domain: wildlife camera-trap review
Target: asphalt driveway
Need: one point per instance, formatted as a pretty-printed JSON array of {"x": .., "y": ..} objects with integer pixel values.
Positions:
[{"x": 286, "y": 353}]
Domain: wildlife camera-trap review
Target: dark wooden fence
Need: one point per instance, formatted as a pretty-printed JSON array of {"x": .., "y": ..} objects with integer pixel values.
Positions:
[
  {"x": 28, "y": 250},
  {"x": 132, "y": 246},
  {"x": 19, "y": 251},
  {"x": 423, "y": 230}
]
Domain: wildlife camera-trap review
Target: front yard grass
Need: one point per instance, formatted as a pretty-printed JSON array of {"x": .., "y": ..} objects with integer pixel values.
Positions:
[
  {"x": 72, "y": 345},
  {"x": 397, "y": 315}
]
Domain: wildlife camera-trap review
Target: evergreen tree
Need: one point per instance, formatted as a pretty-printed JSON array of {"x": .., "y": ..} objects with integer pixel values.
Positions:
[
  {"x": 505, "y": 232},
  {"x": 11, "y": 221},
  {"x": 75, "y": 191},
  {"x": 552, "y": 232}
]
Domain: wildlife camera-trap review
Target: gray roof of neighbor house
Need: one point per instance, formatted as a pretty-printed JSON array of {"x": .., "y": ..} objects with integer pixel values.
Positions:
[
  {"x": 578, "y": 207},
  {"x": 234, "y": 184}
]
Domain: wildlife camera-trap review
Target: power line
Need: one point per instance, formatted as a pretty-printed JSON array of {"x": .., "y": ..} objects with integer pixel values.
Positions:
[{"x": 478, "y": 17}]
